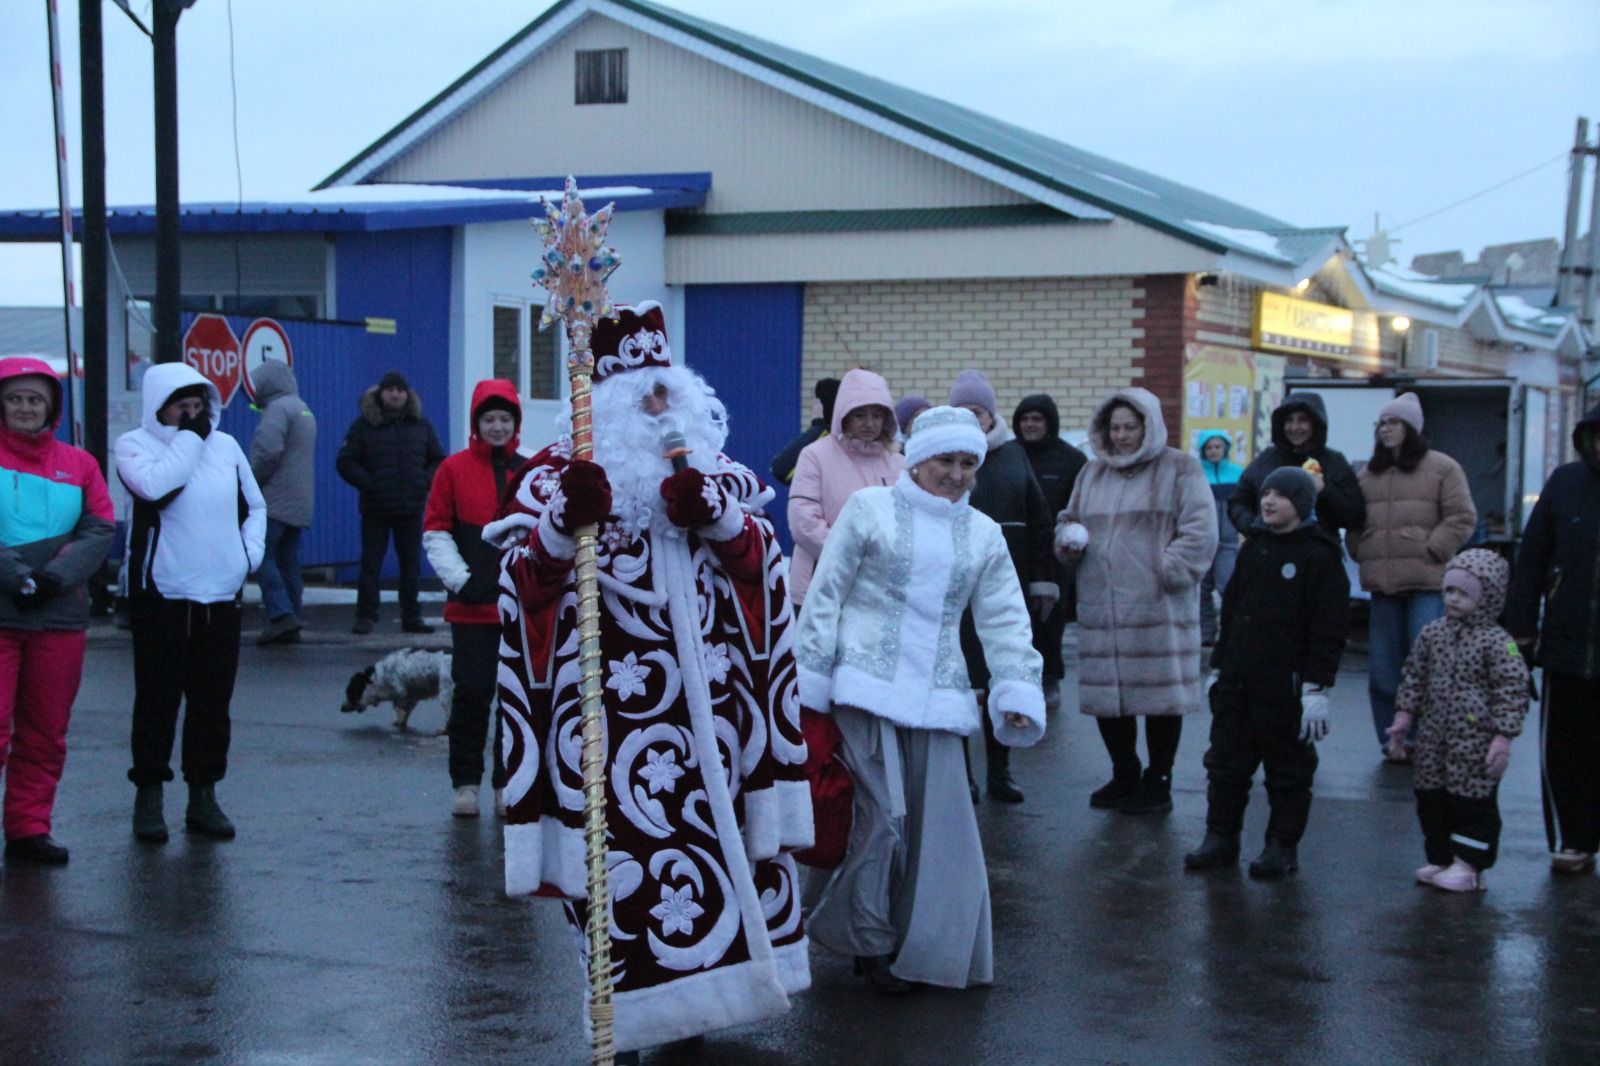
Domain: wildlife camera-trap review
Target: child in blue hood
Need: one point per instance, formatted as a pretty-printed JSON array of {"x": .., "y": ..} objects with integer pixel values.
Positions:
[{"x": 1222, "y": 474}]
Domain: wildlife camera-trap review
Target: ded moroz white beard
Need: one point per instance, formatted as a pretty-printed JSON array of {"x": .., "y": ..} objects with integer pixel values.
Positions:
[{"x": 627, "y": 442}]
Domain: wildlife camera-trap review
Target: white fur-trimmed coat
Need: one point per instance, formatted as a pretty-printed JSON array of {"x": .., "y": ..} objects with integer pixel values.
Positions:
[{"x": 881, "y": 626}]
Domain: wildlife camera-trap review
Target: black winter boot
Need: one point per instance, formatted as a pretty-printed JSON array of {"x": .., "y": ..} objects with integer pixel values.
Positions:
[
  {"x": 205, "y": 816},
  {"x": 1214, "y": 852},
  {"x": 39, "y": 849},
  {"x": 1277, "y": 861},
  {"x": 1113, "y": 792},
  {"x": 149, "y": 823},
  {"x": 875, "y": 968},
  {"x": 1153, "y": 796}
]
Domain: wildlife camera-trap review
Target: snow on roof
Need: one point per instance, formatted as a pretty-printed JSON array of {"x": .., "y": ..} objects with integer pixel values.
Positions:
[
  {"x": 1396, "y": 280},
  {"x": 1254, "y": 241},
  {"x": 1522, "y": 314},
  {"x": 400, "y": 193}
]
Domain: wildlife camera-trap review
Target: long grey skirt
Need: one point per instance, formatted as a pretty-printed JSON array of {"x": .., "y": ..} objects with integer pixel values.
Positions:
[{"x": 913, "y": 883}]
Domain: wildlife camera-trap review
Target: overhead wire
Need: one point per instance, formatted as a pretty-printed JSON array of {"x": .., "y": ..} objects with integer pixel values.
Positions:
[{"x": 1484, "y": 192}]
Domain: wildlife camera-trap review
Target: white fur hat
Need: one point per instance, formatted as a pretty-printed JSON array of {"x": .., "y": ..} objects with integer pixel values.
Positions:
[{"x": 945, "y": 429}]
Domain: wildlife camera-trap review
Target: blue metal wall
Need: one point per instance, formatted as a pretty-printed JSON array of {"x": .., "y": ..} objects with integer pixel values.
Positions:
[
  {"x": 333, "y": 362},
  {"x": 746, "y": 341}
]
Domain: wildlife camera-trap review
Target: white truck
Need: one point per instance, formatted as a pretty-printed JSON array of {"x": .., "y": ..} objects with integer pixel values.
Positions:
[{"x": 1507, "y": 435}]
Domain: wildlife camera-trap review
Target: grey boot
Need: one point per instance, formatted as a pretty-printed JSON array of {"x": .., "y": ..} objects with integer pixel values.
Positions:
[
  {"x": 204, "y": 816},
  {"x": 149, "y": 824}
]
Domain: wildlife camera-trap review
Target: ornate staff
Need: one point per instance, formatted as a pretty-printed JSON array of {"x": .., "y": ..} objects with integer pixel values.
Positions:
[{"x": 574, "y": 268}]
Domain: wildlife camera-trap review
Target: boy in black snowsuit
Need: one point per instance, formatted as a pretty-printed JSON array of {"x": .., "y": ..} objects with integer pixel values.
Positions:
[{"x": 1284, "y": 616}]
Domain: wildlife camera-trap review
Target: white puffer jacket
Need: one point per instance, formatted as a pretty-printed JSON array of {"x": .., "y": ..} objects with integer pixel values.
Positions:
[{"x": 199, "y": 522}]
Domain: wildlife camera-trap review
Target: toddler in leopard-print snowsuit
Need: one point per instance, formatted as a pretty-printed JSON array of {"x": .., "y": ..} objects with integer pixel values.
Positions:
[{"x": 1466, "y": 687}]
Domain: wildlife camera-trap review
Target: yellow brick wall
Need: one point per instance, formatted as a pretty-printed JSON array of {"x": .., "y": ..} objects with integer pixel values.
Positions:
[{"x": 1074, "y": 338}]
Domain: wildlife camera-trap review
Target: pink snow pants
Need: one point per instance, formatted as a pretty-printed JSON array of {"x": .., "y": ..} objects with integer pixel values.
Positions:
[{"x": 39, "y": 675}]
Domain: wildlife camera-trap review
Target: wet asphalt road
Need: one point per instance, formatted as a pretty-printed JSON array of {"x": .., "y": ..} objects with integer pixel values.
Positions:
[{"x": 354, "y": 921}]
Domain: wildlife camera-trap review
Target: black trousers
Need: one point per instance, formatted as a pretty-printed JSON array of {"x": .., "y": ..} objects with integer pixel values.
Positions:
[
  {"x": 1569, "y": 724},
  {"x": 1458, "y": 827},
  {"x": 474, "y": 664},
  {"x": 183, "y": 653},
  {"x": 1161, "y": 735},
  {"x": 1249, "y": 733},
  {"x": 376, "y": 529},
  {"x": 1047, "y": 639}
]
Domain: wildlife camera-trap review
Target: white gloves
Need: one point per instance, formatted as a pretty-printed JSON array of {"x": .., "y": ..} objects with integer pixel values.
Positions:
[
  {"x": 1313, "y": 714},
  {"x": 1071, "y": 538}
]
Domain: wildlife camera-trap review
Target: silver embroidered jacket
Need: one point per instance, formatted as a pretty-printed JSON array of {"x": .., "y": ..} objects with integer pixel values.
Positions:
[{"x": 881, "y": 626}]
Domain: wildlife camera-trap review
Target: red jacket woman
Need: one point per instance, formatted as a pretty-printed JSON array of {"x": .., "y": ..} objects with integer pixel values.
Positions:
[{"x": 464, "y": 498}]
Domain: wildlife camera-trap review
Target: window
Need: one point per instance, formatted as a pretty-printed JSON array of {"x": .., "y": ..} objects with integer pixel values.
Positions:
[
  {"x": 536, "y": 368},
  {"x": 508, "y": 342},
  {"x": 602, "y": 76},
  {"x": 544, "y": 363}
]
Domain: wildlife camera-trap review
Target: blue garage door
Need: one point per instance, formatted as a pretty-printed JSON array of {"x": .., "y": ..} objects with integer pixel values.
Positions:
[{"x": 745, "y": 340}]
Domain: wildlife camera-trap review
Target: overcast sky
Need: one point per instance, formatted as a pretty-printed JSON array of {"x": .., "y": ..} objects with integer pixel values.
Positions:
[{"x": 1320, "y": 112}]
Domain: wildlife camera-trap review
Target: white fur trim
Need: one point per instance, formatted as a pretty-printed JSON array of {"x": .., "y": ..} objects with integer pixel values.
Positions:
[
  {"x": 729, "y": 526},
  {"x": 1070, "y": 537},
  {"x": 1016, "y": 697},
  {"x": 555, "y": 543},
  {"x": 816, "y": 690},
  {"x": 949, "y": 710},
  {"x": 1048, "y": 589},
  {"x": 545, "y": 852},
  {"x": 509, "y": 531},
  {"x": 705, "y": 1002},
  {"x": 940, "y": 439},
  {"x": 778, "y": 819}
]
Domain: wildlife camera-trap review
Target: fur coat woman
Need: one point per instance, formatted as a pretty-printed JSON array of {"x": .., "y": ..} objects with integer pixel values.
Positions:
[{"x": 1152, "y": 536}]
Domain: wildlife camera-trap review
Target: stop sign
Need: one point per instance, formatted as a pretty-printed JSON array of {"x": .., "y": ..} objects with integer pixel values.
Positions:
[{"x": 211, "y": 348}]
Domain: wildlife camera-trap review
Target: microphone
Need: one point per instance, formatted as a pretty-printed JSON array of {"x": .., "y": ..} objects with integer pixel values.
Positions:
[{"x": 675, "y": 448}]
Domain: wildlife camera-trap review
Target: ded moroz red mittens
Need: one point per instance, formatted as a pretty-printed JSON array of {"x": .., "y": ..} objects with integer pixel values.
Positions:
[
  {"x": 587, "y": 497},
  {"x": 693, "y": 502}
]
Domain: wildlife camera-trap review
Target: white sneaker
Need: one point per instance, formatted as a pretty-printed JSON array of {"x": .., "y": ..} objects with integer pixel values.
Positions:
[
  {"x": 465, "y": 805},
  {"x": 1426, "y": 875},
  {"x": 1459, "y": 878},
  {"x": 500, "y": 803}
]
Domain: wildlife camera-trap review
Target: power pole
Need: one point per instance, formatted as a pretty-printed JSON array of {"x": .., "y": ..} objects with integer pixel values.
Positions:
[
  {"x": 91, "y": 88},
  {"x": 1567, "y": 293},
  {"x": 169, "y": 261}
]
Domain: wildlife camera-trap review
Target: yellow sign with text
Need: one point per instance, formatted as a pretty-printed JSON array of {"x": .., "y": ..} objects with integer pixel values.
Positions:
[{"x": 1285, "y": 324}]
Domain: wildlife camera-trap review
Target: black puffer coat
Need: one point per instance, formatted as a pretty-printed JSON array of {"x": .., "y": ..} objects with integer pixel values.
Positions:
[
  {"x": 1340, "y": 504},
  {"x": 1055, "y": 462},
  {"x": 1284, "y": 614},
  {"x": 1007, "y": 492},
  {"x": 390, "y": 458},
  {"x": 1558, "y": 565}
]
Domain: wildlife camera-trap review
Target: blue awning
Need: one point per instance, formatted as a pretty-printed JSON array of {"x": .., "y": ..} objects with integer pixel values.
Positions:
[{"x": 370, "y": 208}]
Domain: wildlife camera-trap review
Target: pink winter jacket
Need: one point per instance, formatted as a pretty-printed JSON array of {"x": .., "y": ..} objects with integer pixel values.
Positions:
[{"x": 832, "y": 468}]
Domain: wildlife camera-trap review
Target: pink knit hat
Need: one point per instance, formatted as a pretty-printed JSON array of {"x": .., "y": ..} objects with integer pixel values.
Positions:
[{"x": 1407, "y": 408}]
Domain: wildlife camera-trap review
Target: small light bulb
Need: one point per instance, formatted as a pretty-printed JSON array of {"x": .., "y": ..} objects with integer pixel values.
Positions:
[{"x": 1400, "y": 323}]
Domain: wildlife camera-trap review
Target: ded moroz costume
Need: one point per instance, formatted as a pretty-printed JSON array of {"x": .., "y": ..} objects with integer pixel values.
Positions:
[{"x": 704, "y": 794}]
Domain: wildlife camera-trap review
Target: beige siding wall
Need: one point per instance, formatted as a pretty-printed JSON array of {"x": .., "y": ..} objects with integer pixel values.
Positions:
[
  {"x": 1074, "y": 338},
  {"x": 768, "y": 151},
  {"x": 1081, "y": 249}
]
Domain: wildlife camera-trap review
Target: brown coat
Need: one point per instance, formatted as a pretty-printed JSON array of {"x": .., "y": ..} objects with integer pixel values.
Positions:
[
  {"x": 1415, "y": 522},
  {"x": 1152, "y": 536}
]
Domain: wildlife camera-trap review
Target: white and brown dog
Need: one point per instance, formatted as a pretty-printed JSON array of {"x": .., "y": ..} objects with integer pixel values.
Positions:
[{"x": 404, "y": 678}]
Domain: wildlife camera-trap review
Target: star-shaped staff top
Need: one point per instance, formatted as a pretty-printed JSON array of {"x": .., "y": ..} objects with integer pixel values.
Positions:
[{"x": 576, "y": 260}]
